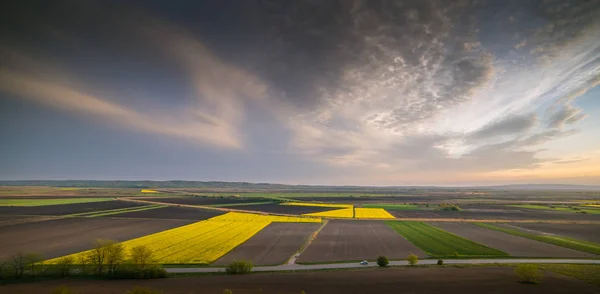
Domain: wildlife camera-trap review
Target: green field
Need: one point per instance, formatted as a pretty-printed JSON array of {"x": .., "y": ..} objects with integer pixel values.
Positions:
[
  {"x": 46, "y": 202},
  {"x": 560, "y": 241},
  {"x": 393, "y": 206},
  {"x": 574, "y": 209},
  {"x": 439, "y": 243},
  {"x": 117, "y": 211}
]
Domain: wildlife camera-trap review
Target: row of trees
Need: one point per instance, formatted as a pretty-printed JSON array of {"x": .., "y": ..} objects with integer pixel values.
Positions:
[{"x": 107, "y": 258}]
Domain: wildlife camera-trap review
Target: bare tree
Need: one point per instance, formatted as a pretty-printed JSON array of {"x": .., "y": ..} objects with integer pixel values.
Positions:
[
  {"x": 64, "y": 265},
  {"x": 19, "y": 262},
  {"x": 142, "y": 256},
  {"x": 34, "y": 260},
  {"x": 105, "y": 253}
]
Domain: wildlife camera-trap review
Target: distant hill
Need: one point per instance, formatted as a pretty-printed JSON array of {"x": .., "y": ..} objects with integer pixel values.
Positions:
[
  {"x": 543, "y": 187},
  {"x": 281, "y": 187}
]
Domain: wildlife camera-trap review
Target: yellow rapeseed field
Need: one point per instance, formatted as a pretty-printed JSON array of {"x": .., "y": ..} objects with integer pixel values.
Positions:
[
  {"x": 372, "y": 213},
  {"x": 205, "y": 241},
  {"x": 345, "y": 212},
  {"x": 593, "y": 205},
  {"x": 318, "y": 204},
  {"x": 149, "y": 191}
]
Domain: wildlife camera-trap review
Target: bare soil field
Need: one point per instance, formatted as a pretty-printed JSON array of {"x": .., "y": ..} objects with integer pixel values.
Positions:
[
  {"x": 172, "y": 212},
  {"x": 513, "y": 245},
  {"x": 65, "y": 209},
  {"x": 205, "y": 200},
  {"x": 589, "y": 233},
  {"x": 55, "y": 238},
  {"x": 274, "y": 245},
  {"x": 389, "y": 280},
  {"x": 287, "y": 209},
  {"x": 357, "y": 240}
]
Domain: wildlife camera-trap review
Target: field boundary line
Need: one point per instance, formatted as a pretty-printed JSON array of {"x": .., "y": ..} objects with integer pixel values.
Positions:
[{"x": 311, "y": 238}]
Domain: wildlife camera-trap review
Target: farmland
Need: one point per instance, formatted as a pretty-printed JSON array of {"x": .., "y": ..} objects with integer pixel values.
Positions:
[
  {"x": 54, "y": 238},
  {"x": 439, "y": 243},
  {"x": 215, "y": 235},
  {"x": 511, "y": 244},
  {"x": 275, "y": 244},
  {"x": 387, "y": 206},
  {"x": 556, "y": 240},
  {"x": 372, "y": 213},
  {"x": 493, "y": 280},
  {"x": 205, "y": 241},
  {"x": 357, "y": 240},
  {"x": 47, "y": 202}
]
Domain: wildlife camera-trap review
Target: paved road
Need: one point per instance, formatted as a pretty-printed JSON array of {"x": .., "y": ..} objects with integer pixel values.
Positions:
[{"x": 300, "y": 267}]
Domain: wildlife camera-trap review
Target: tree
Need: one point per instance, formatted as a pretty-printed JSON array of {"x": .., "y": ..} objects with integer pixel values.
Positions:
[
  {"x": 227, "y": 291},
  {"x": 413, "y": 259},
  {"x": 106, "y": 254},
  {"x": 18, "y": 263},
  {"x": 142, "y": 256},
  {"x": 529, "y": 273},
  {"x": 440, "y": 262},
  {"x": 382, "y": 261},
  {"x": 115, "y": 255},
  {"x": 34, "y": 260},
  {"x": 64, "y": 266}
]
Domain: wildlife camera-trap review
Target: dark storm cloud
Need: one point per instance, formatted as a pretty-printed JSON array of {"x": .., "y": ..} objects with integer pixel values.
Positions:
[{"x": 322, "y": 52}]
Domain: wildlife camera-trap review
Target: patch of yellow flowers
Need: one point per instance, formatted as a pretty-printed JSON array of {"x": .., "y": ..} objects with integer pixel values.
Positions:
[
  {"x": 371, "y": 213},
  {"x": 205, "y": 241},
  {"x": 149, "y": 191}
]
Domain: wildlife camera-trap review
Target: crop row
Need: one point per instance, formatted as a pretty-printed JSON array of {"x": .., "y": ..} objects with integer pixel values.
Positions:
[{"x": 439, "y": 243}]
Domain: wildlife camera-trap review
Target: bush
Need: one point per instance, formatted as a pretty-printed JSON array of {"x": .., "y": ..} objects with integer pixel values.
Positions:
[
  {"x": 227, "y": 291},
  {"x": 143, "y": 290},
  {"x": 412, "y": 259},
  {"x": 239, "y": 268},
  {"x": 529, "y": 273},
  {"x": 440, "y": 262},
  {"x": 382, "y": 261},
  {"x": 154, "y": 272}
]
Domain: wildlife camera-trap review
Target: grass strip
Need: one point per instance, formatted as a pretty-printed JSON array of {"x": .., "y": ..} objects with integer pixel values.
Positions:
[
  {"x": 119, "y": 210},
  {"x": 133, "y": 210},
  {"x": 555, "y": 240},
  {"x": 393, "y": 206},
  {"x": 439, "y": 243},
  {"x": 240, "y": 204},
  {"x": 48, "y": 202}
]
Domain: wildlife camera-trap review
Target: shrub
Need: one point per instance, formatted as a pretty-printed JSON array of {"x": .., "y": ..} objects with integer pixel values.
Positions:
[
  {"x": 440, "y": 262},
  {"x": 382, "y": 261},
  {"x": 227, "y": 291},
  {"x": 62, "y": 290},
  {"x": 143, "y": 290},
  {"x": 153, "y": 272},
  {"x": 529, "y": 273},
  {"x": 239, "y": 268},
  {"x": 413, "y": 259}
]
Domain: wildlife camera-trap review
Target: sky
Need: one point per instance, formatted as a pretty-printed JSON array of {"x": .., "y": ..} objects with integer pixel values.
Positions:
[{"x": 384, "y": 93}]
